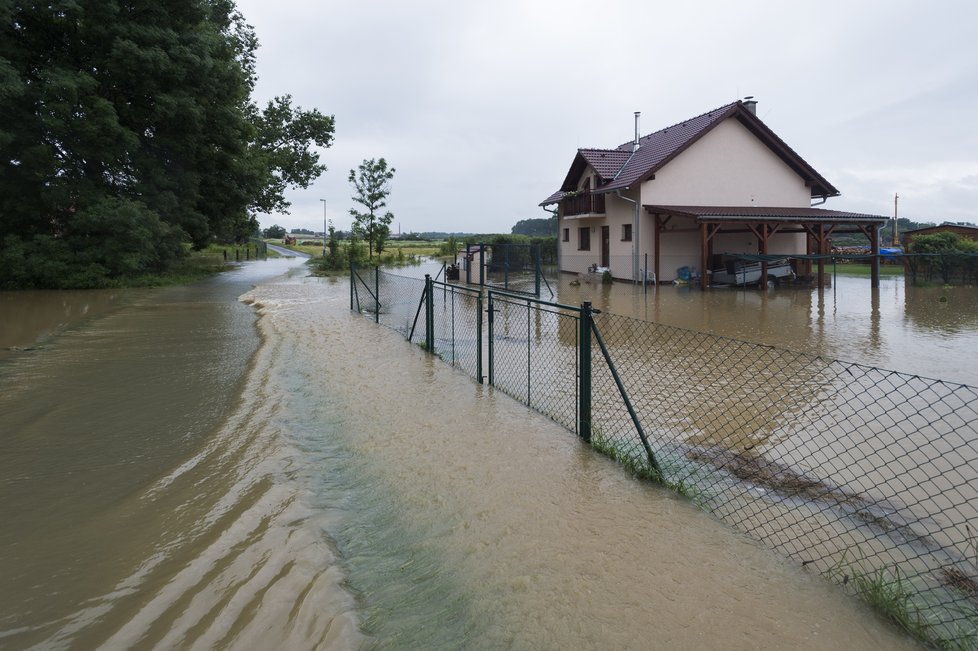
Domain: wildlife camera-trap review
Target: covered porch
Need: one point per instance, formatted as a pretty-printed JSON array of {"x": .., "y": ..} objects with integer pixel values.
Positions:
[{"x": 709, "y": 223}]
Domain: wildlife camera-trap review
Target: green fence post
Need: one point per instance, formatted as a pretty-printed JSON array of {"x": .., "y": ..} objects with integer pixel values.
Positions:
[
  {"x": 528, "y": 349},
  {"x": 478, "y": 338},
  {"x": 492, "y": 313},
  {"x": 352, "y": 280},
  {"x": 584, "y": 387},
  {"x": 537, "y": 269},
  {"x": 429, "y": 314},
  {"x": 376, "y": 294}
]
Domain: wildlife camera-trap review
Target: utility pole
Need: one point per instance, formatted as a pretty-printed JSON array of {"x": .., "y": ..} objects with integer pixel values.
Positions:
[
  {"x": 324, "y": 227},
  {"x": 896, "y": 198}
]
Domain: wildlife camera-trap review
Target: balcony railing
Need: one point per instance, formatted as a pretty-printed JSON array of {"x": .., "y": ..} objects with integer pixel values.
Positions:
[{"x": 584, "y": 203}]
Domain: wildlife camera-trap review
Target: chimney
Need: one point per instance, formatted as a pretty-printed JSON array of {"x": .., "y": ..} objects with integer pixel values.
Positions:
[
  {"x": 750, "y": 104},
  {"x": 635, "y": 145}
]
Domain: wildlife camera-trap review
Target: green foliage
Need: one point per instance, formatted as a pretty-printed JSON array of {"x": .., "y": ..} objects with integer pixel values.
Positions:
[
  {"x": 449, "y": 247},
  {"x": 274, "y": 232},
  {"x": 148, "y": 105},
  {"x": 371, "y": 187},
  {"x": 946, "y": 255},
  {"x": 333, "y": 243},
  {"x": 543, "y": 227},
  {"x": 282, "y": 144},
  {"x": 113, "y": 239}
]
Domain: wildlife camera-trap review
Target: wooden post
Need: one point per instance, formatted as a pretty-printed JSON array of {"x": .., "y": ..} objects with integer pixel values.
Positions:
[
  {"x": 820, "y": 245},
  {"x": 704, "y": 255},
  {"x": 657, "y": 231},
  {"x": 874, "y": 232},
  {"x": 762, "y": 249}
]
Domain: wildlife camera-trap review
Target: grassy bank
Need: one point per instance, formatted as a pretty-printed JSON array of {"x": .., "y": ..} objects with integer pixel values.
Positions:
[
  {"x": 197, "y": 265},
  {"x": 393, "y": 248},
  {"x": 865, "y": 270}
]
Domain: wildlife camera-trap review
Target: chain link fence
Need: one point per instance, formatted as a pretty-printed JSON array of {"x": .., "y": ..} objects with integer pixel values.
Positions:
[
  {"x": 867, "y": 476},
  {"x": 449, "y": 324},
  {"x": 532, "y": 348}
]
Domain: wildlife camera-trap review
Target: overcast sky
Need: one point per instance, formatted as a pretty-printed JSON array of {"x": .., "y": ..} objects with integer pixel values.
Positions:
[{"x": 481, "y": 106}]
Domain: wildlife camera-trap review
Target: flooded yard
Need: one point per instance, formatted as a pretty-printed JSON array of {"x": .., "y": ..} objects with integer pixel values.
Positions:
[
  {"x": 929, "y": 331},
  {"x": 179, "y": 473}
]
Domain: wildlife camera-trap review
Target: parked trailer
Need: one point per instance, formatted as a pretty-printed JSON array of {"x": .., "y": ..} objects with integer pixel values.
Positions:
[{"x": 739, "y": 272}]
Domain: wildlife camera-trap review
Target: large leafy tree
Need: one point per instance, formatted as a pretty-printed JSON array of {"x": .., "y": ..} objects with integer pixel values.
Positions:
[
  {"x": 371, "y": 187},
  {"x": 141, "y": 110}
]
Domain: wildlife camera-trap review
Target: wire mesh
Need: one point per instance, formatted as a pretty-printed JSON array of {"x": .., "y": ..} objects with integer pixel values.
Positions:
[
  {"x": 867, "y": 475},
  {"x": 511, "y": 267},
  {"x": 389, "y": 299},
  {"x": 457, "y": 326},
  {"x": 398, "y": 302},
  {"x": 534, "y": 357}
]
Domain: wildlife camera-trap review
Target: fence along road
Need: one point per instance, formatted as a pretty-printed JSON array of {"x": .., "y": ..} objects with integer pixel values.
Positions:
[{"x": 868, "y": 476}]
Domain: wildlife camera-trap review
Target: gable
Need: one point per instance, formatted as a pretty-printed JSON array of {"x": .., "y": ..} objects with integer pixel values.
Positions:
[{"x": 728, "y": 166}]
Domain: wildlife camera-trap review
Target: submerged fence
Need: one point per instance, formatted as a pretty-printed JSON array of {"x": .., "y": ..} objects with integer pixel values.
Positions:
[{"x": 868, "y": 476}]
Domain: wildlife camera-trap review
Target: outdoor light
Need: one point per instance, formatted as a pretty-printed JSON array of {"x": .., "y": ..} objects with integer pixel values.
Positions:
[{"x": 324, "y": 227}]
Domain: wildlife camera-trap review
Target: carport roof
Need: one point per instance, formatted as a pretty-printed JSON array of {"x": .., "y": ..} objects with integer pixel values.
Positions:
[{"x": 773, "y": 213}]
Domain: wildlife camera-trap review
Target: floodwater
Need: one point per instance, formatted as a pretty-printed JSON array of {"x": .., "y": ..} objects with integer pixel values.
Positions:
[
  {"x": 926, "y": 331},
  {"x": 184, "y": 469}
]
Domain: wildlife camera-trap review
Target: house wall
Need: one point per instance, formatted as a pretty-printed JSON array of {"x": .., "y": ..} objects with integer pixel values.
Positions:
[
  {"x": 728, "y": 166},
  {"x": 618, "y": 213}
]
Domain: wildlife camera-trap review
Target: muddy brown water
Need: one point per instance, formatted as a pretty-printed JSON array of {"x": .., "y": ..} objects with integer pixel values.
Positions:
[{"x": 183, "y": 469}]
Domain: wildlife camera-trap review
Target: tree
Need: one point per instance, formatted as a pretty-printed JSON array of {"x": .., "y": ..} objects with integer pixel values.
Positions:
[
  {"x": 148, "y": 104},
  {"x": 275, "y": 232},
  {"x": 542, "y": 227},
  {"x": 371, "y": 186}
]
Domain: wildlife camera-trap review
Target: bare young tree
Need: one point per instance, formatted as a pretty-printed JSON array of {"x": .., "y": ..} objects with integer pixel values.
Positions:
[{"x": 371, "y": 186}]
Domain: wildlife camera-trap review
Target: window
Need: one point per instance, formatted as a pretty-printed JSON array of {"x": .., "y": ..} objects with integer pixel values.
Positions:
[
  {"x": 584, "y": 238},
  {"x": 567, "y": 235},
  {"x": 626, "y": 232}
]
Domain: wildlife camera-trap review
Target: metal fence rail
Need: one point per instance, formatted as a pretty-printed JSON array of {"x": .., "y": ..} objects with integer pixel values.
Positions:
[{"x": 866, "y": 475}]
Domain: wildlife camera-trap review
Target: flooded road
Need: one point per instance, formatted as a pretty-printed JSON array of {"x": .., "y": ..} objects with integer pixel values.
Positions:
[{"x": 179, "y": 473}]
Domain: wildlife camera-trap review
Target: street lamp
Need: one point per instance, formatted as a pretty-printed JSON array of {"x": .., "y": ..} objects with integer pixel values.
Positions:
[{"x": 324, "y": 227}]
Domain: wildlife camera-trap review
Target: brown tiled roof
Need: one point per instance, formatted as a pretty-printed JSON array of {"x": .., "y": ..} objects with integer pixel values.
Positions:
[
  {"x": 606, "y": 162},
  {"x": 554, "y": 198},
  {"x": 660, "y": 147},
  {"x": 749, "y": 213}
]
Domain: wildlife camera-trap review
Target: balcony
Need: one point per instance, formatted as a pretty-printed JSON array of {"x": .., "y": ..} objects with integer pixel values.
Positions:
[{"x": 584, "y": 203}]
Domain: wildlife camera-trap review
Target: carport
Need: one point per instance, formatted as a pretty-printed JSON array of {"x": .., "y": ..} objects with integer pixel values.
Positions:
[{"x": 816, "y": 223}]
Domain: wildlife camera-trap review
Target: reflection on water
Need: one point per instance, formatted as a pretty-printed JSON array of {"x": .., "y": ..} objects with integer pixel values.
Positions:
[
  {"x": 27, "y": 317},
  {"x": 925, "y": 331},
  {"x": 174, "y": 477}
]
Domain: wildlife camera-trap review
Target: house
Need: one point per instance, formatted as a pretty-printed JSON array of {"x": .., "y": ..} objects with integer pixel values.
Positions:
[{"x": 680, "y": 199}]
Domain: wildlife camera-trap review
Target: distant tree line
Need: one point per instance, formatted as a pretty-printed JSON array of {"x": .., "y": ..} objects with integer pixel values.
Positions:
[{"x": 129, "y": 133}]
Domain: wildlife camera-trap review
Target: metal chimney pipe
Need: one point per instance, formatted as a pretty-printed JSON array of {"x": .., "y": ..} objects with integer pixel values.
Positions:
[
  {"x": 635, "y": 145},
  {"x": 750, "y": 104}
]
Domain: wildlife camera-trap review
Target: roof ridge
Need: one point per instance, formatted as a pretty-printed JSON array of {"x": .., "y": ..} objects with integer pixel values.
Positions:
[
  {"x": 719, "y": 111},
  {"x": 613, "y": 149}
]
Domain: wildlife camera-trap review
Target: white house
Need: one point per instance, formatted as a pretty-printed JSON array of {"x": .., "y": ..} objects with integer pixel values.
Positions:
[{"x": 718, "y": 183}]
